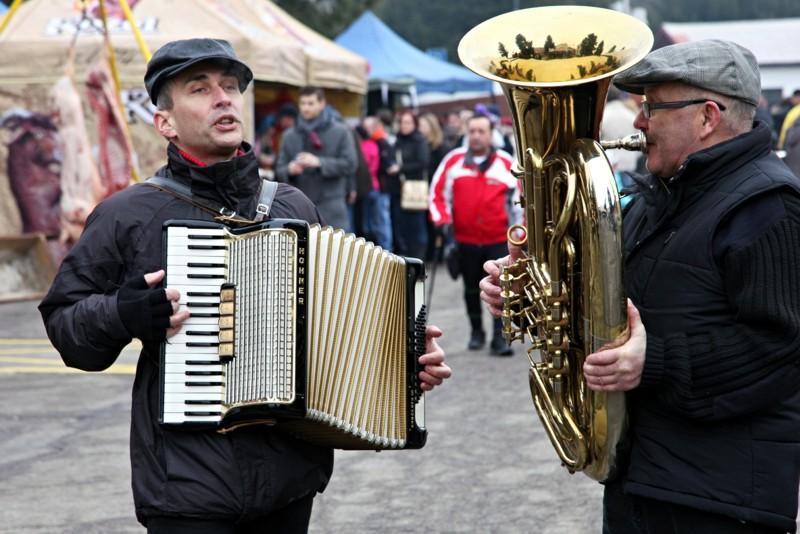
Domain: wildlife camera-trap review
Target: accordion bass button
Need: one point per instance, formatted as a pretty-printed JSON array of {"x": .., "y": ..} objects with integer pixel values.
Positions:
[
  {"x": 226, "y": 336},
  {"x": 227, "y": 310}
]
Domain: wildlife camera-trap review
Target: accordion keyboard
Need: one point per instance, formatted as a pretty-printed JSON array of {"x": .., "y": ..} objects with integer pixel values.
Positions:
[{"x": 194, "y": 388}]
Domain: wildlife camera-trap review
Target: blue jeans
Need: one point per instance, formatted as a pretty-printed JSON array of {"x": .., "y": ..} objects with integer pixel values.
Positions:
[{"x": 376, "y": 222}]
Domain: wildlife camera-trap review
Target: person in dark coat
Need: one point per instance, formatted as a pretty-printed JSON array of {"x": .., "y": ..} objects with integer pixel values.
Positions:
[
  {"x": 318, "y": 156},
  {"x": 712, "y": 365},
  {"x": 107, "y": 292},
  {"x": 411, "y": 151}
]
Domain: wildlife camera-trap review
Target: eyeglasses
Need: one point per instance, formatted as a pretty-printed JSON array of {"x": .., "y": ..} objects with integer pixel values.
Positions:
[{"x": 649, "y": 107}]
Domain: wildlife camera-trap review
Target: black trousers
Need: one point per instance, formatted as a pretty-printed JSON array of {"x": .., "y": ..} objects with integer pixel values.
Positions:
[
  {"x": 293, "y": 519},
  {"x": 629, "y": 514},
  {"x": 471, "y": 259}
]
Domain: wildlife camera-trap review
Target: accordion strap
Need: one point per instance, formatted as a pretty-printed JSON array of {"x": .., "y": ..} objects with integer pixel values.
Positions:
[{"x": 220, "y": 212}]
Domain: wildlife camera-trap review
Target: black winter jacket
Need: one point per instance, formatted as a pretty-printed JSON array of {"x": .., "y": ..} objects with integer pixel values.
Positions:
[
  {"x": 201, "y": 474},
  {"x": 412, "y": 152},
  {"x": 715, "y": 422}
]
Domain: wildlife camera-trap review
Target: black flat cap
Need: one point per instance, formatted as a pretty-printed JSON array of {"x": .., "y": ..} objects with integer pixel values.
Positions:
[{"x": 177, "y": 56}]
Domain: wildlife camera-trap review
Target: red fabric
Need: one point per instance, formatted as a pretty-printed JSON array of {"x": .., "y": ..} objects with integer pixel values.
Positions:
[
  {"x": 478, "y": 204},
  {"x": 378, "y": 134}
]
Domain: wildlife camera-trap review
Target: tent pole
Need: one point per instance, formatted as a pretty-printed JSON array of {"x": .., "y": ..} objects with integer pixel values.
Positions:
[
  {"x": 11, "y": 11},
  {"x": 385, "y": 93},
  {"x": 412, "y": 91},
  {"x": 132, "y": 21},
  {"x": 112, "y": 61}
]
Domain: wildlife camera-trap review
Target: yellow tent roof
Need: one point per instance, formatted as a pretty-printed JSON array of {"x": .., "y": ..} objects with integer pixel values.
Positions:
[
  {"x": 34, "y": 47},
  {"x": 327, "y": 63}
]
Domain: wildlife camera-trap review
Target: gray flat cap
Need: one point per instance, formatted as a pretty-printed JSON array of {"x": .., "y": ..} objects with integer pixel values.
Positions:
[
  {"x": 177, "y": 56},
  {"x": 720, "y": 66}
]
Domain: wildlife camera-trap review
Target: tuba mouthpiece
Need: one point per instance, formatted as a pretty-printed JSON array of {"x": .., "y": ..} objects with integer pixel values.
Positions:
[{"x": 636, "y": 142}]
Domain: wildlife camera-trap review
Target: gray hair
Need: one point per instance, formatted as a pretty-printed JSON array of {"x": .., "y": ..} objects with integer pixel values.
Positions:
[
  {"x": 164, "y": 99},
  {"x": 738, "y": 116}
]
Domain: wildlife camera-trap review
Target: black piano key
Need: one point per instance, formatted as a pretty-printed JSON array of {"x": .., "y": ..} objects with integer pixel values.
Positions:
[
  {"x": 202, "y": 362},
  {"x": 203, "y": 314},
  {"x": 202, "y": 402},
  {"x": 202, "y": 294},
  {"x": 205, "y": 276},
  {"x": 203, "y": 236},
  {"x": 202, "y": 333},
  {"x": 203, "y": 383},
  {"x": 206, "y": 265},
  {"x": 203, "y": 373},
  {"x": 207, "y": 247},
  {"x": 202, "y": 344},
  {"x": 202, "y": 414},
  {"x": 203, "y": 304}
]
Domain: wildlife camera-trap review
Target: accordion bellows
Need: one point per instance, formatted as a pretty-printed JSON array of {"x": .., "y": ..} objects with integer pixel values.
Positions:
[{"x": 304, "y": 327}]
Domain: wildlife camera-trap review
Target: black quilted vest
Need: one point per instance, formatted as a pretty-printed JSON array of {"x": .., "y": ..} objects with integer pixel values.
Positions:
[{"x": 744, "y": 467}]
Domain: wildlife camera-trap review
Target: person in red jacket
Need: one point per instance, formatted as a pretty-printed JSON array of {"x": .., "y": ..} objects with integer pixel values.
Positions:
[{"x": 474, "y": 194}]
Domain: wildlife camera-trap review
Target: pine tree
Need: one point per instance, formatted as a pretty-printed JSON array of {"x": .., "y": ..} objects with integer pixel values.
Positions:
[
  {"x": 588, "y": 45},
  {"x": 599, "y": 50},
  {"x": 502, "y": 49},
  {"x": 549, "y": 45}
]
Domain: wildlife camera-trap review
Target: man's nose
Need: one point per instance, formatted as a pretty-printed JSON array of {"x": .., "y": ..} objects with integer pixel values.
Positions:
[
  {"x": 639, "y": 122},
  {"x": 221, "y": 97}
]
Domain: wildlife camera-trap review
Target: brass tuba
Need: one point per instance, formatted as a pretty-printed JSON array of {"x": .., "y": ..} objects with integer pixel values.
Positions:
[{"x": 566, "y": 294}]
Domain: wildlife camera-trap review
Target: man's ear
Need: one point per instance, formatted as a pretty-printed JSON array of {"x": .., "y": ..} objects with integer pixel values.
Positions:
[
  {"x": 711, "y": 119},
  {"x": 162, "y": 120}
]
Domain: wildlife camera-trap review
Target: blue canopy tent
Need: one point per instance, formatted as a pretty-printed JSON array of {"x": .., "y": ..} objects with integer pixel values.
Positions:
[{"x": 396, "y": 65}]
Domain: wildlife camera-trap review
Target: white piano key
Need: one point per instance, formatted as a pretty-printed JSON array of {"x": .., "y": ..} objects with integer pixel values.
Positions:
[
  {"x": 189, "y": 291},
  {"x": 181, "y": 348},
  {"x": 183, "y": 358},
  {"x": 182, "y": 378},
  {"x": 185, "y": 240},
  {"x": 183, "y": 337},
  {"x": 181, "y": 261},
  {"x": 184, "y": 280},
  {"x": 173, "y": 389},
  {"x": 183, "y": 250},
  {"x": 187, "y": 396},
  {"x": 181, "y": 418},
  {"x": 186, "y": 230},
  {"x": 175, "y": 407},
  {"x": 199, "y": 299},
  {"x": 180, "y": 270},
  {"x": 178, "y": 368},
  {"x": 192, "y": 321}
]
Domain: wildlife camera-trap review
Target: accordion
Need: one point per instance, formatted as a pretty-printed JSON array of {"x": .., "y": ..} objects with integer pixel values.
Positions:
[{"x": 310, "y": 329}]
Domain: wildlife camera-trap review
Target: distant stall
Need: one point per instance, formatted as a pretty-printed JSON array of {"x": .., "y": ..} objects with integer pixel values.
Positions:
[{"x": 396, "y": 66}]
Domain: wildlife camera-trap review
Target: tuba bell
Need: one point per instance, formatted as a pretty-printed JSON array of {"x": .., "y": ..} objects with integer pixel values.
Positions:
[{"x": 565, "y": 296}]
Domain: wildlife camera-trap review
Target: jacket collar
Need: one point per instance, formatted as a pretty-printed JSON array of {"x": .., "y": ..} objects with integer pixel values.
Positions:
[
  {"x": 701, "y": 169},
  {"x": 235, "y": 183}
]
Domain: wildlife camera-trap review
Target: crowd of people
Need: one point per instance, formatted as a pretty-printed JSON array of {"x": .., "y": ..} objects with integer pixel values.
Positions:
[{"x": 410, "y": 183}]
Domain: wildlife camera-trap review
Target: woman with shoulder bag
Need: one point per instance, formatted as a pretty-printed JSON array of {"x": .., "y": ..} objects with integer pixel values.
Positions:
[{"x": 409, "y": 188}]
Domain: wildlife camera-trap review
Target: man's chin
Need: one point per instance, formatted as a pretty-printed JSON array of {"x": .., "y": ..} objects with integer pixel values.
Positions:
[{"x": 230, "y": 140}]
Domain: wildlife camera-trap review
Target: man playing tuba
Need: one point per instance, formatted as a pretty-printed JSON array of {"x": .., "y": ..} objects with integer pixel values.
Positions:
[{"x": 711, "y": 251}]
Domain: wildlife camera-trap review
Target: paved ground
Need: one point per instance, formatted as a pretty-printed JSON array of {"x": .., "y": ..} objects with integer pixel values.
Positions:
[{"x": 487, "y": 467}]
